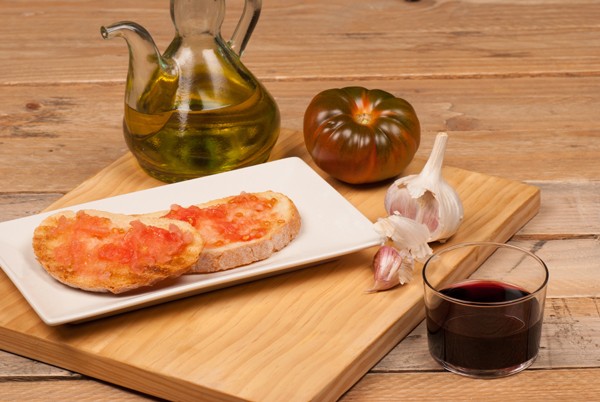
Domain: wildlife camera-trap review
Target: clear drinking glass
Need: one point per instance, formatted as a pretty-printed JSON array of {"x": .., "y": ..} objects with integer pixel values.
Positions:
[{"x": 489, "y": 325}]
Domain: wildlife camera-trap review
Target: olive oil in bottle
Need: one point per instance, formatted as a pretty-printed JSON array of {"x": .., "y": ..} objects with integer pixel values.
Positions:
[
  {"x": 206, "y": 138},
  {"x": 195, "y": 110}
]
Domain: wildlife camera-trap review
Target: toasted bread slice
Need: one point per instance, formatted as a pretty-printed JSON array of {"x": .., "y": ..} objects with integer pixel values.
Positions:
[
  {"x": 105, "y": 252},
  {"x": 240, "y": 229}
]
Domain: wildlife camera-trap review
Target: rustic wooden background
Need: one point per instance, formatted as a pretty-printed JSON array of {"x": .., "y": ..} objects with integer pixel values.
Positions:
[{"x": 515, "y": 82}]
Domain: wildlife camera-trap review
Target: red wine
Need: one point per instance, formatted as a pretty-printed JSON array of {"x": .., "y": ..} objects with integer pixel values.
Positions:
[{"x": 484, "y": 338}]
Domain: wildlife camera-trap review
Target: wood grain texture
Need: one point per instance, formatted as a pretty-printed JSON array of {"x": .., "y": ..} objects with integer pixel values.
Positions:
[
  {"x": 66, "y": 390},
  {"x": 569, "y": 210},
  {"x": 532, "y": 385},
  {"x": 389, "y": 38}
]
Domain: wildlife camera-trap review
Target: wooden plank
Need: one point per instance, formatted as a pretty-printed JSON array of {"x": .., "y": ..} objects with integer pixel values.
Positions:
[
  {"x": 13, "y": 367},
  {"x": 569, "y": 210},
  {"x": 18, "y": 205},
  {"x": 573, "y": 271},
  {"x": 530, "y": 385},
  {"x": 534, "y": 385},
  {"x": 64, "y": 134},
  {"x": 61, "y": 390},
  {"x": 517, "y": 38}
]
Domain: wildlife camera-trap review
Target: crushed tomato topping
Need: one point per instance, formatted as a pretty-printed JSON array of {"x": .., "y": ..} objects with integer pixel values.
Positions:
[
  {"x": 244, "y": 217},
  {"x": 91, "y": 243}
]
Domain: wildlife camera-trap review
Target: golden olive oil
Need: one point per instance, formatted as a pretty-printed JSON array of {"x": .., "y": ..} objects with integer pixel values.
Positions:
[{"x": 205, "y": 136}]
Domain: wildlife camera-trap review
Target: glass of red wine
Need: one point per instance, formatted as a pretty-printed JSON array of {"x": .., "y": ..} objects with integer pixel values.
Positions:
[{"x": 490, "y": 324}]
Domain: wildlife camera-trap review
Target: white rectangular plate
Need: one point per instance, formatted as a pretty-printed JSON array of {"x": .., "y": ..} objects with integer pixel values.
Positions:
[{"x": 331, "y": 227}]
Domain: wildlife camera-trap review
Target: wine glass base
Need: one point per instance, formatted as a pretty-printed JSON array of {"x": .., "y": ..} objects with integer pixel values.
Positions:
[{"x": 489, "y": 374}]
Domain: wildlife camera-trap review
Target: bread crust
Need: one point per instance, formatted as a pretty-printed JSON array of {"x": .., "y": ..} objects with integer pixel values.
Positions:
[
  {"x": 87, "y": 272},
  {"x": 257, "y": 225},
  {"x": 215, "y": 259},
  {"x": 286, "y": 224}
]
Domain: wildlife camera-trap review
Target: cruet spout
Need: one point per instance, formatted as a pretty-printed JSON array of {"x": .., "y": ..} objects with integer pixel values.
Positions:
[{"x": 145, "y": 60}]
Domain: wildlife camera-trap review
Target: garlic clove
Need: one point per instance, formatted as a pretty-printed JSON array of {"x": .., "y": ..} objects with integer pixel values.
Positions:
[
  {"x": 406, "y": 233},
  {"x": 391, "y": 268},
  {"x": 428, "y": 198}
]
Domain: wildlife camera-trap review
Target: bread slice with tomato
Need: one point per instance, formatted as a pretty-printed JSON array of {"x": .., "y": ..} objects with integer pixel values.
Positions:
[
  {"x": 107, "y": 252},
  {"x": 240, "y": 229}
]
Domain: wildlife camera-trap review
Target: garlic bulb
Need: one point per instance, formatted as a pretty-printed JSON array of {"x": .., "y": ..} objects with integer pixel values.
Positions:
[
  {"x": 421, "y": 209},
  {"x": 427, "y": 198},
  {"x": 391, "y": 268}
]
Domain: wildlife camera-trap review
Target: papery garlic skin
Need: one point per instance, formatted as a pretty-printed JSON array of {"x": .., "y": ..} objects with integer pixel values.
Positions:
[
  {"x": 427, "y": 198},
  {"x": 391, "y": 268},
  {"x": 421, "y": 209},
  {"x": 407, "y": 234}
]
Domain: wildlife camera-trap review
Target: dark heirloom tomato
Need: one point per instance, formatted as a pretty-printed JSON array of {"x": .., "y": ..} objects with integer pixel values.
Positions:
[{"x": 359, "y": 135}]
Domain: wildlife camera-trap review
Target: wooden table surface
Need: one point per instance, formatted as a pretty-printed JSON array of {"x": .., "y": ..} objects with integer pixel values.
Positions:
[{"x": 515, "y": 83}]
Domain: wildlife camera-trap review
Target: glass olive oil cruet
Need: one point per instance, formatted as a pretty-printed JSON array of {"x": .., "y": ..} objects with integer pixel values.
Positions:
[{"x": 195, "y": 110}]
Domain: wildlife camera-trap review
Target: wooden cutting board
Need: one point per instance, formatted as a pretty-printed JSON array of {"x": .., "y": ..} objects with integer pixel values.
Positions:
[{"x": 305, "y": 335}]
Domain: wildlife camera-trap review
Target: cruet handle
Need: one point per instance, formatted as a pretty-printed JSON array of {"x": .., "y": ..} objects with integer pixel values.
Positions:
[{"x": 245, "y": 26}]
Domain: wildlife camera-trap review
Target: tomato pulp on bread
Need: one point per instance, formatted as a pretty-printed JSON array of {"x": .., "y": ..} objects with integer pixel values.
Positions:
[
  {"x": 242, "y": 218},
  {"x": 92, "y": 243}
]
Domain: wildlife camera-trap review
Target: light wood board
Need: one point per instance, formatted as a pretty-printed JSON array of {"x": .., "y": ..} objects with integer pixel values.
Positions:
[{"x": 306, "y": 335}]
